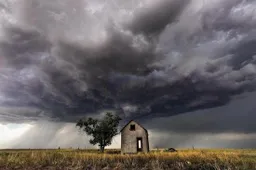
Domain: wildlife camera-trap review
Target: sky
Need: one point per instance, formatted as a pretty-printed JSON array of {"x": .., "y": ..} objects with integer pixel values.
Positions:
[{"x": 184, "y": 69}]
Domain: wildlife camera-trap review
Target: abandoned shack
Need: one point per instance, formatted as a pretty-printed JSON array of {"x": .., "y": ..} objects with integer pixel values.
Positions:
[{"x": 134, "y": 138}]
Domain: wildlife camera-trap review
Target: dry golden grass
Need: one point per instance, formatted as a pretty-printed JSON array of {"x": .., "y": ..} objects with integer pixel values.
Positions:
[{"x": 112, "y": 159}]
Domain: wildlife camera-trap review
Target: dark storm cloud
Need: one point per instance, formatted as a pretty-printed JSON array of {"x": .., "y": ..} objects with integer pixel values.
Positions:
[
  {"x": 156, "y": 17},
  {"x": 66, "y": 60},
  {"x": 236, "y": 117}
]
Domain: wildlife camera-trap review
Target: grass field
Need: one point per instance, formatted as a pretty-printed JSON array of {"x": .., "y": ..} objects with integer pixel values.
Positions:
[{"x": 199, "y": 159}]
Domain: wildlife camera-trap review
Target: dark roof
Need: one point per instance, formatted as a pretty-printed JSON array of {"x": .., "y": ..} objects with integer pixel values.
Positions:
[{"x": 135, "y": 122}]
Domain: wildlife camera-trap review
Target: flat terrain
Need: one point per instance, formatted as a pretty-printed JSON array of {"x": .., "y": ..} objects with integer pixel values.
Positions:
[{"x": 67, "y": 159}]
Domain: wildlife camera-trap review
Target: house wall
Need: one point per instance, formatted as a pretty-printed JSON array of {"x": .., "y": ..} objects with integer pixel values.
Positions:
[{"x": 129, "y": 139}]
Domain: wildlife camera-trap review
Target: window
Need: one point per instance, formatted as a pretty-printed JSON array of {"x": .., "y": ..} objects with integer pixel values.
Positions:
[{"x": 132, "y": 127}]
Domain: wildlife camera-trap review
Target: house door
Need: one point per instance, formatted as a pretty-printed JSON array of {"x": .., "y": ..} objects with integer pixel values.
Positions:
[{"x": 139, "y": 145}]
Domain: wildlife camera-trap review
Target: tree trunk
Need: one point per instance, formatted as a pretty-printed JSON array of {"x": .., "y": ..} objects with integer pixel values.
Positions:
[
  {"x": 102, "y": 145},
  {"x": 102, "y": 149}
]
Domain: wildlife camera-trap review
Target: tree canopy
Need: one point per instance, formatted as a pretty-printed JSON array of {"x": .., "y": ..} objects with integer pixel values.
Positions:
[{"x": 102, "y": 130}]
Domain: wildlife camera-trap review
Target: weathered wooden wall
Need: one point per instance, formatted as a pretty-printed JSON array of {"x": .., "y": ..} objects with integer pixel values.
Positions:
[{"x": 129, "y": 139}]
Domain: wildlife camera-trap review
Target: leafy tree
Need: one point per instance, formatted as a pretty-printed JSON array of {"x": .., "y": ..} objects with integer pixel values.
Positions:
[{"x": 101, "y": 130}]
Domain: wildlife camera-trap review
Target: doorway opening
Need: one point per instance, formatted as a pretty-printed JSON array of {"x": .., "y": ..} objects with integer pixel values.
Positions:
[{"x": 139, "y": 144}]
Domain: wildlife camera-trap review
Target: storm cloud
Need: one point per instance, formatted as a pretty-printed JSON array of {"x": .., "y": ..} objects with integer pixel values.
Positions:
[{"x": 62, "y": 60}]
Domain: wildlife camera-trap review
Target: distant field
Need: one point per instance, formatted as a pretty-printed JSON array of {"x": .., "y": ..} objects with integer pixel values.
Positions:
[{"x": 73, "y": 159}]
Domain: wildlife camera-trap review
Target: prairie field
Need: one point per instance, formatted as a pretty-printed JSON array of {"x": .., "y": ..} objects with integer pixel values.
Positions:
[{"x": 79, "y": 159}]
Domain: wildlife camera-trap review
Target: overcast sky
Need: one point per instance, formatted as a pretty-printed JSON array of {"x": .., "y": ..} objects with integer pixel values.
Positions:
[{"x": 185, "y": 69}]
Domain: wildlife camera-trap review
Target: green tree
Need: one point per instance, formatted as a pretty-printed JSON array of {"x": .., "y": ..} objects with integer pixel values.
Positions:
[{"x": 102, "y": 130}]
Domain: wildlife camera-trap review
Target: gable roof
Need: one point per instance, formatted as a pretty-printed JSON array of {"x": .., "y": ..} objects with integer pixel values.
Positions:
[{"x": 135, "y": 122}]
